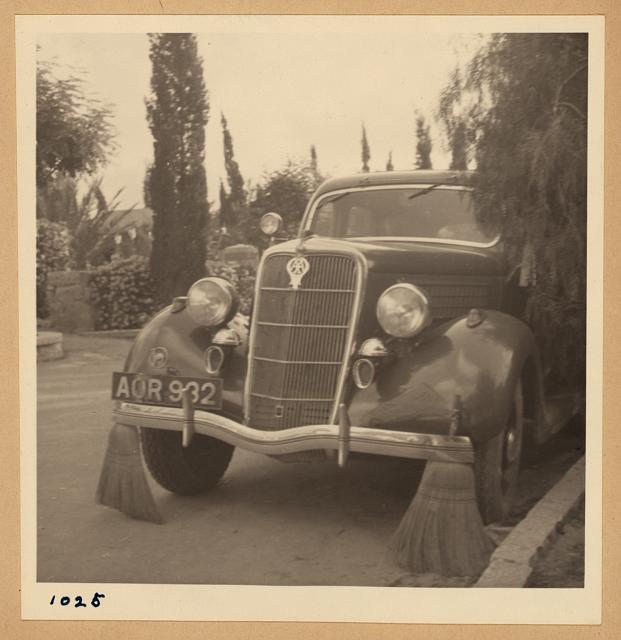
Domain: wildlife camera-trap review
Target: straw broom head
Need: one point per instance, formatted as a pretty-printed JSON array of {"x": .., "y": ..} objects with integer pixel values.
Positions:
[
  {"x": 123, "y": 484},
  {"x": 442, "y": 531}
]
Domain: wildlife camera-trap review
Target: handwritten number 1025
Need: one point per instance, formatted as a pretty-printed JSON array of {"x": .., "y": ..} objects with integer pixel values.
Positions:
[{"x": 65, "y": 600}]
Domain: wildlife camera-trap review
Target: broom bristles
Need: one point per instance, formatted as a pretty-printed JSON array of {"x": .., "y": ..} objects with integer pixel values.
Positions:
[
  {"x": 123, "y": 484},
  {"x": 442, "y": 531}
]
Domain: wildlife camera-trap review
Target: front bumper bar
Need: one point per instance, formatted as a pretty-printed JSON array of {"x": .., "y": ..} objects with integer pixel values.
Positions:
[{"x": 401, "y": 444}]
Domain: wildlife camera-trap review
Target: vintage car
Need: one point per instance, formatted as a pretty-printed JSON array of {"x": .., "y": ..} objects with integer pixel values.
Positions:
[{"x": 389, "y": 326}]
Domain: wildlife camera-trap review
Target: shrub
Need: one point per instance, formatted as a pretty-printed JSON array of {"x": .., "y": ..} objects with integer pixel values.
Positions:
[
  {"x": 122, "y": 291},
  {"x": 53, "y": 254},
  {"x": 241, "y": 276},
  {"x": 122, "y": 294}
]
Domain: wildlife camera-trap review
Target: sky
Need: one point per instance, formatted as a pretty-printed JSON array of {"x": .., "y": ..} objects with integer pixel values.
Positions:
[{"x": 281, "y": 93}]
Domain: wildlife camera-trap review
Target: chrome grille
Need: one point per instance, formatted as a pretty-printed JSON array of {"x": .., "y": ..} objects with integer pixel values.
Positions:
[{"x": 300, "y": 342}]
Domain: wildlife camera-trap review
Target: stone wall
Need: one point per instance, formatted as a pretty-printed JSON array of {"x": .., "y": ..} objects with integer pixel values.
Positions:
[{"x": 68, "y": 301}]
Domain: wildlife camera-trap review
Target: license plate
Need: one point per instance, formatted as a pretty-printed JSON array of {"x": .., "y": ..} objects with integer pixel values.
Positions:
[{"x": 167, "y": 390}]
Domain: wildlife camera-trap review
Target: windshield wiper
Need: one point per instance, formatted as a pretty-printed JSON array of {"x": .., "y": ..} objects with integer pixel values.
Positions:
[{"x": 424, "y": 191}]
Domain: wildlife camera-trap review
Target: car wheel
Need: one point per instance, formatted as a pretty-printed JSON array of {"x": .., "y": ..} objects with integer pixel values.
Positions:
[
  {"x": 497, "y": 464},
  {"x": 189, "y": 470}
]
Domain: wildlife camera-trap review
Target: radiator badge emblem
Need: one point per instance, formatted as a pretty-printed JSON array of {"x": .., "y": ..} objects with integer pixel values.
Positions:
[
  {"x": 297, "y": 268},
  {"x": 158, "y": 357}
]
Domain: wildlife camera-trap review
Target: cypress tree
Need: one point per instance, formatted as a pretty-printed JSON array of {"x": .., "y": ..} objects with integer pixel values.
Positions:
[
  {"x": 146, "y": 194},
  {"x": 423, "y": 144},
  {"x": 313, "y": 157},
  {"x": 366, "y": 152},
  {"x": 177, "y": 112},
  {"x": 233, "y": 213},
  {"x": 223, "y": 213},
  {"x": 459, "y": 147}
]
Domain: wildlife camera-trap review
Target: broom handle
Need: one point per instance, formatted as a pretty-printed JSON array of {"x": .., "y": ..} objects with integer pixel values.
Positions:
[
  {"x": 344, "y": 431},
  {"x": 188, "y": 417}
]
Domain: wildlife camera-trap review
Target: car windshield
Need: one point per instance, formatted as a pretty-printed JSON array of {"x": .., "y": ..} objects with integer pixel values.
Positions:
[{"x": 434, "y": 212}]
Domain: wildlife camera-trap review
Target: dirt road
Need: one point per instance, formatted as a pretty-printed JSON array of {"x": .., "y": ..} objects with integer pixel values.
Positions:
[{"x": 266, "y": 523}]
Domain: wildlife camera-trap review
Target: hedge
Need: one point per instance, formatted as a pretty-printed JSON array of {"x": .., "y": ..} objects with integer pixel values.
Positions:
[
  {"x": 241, "y": 276},
  {"x": 53, "y": 254},
  {"x": 122, "y": 294}
]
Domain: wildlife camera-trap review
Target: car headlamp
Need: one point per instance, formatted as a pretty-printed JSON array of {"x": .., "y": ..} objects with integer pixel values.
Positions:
[
  {"x": 403, "y": 310},
  {"x": 271, "y": 223},
  {"x": 211, "y": 301}
]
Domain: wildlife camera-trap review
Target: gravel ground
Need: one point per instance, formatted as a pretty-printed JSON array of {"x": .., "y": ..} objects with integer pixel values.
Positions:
[
  {"x": 561, "y": 562},
  {"x": 267, "y": 523}
]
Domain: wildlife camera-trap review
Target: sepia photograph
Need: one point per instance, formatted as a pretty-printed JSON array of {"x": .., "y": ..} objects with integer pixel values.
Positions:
[{"x": 311, "y": 311}]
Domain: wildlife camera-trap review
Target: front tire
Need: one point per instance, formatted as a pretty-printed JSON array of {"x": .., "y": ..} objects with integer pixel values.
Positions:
[
  {"x": 497, "y": 464},
  {"x": 186, "y": 471}
]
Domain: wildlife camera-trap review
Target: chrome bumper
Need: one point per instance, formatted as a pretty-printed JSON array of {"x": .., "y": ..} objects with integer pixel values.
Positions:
[{"x": 342, "y": 438}]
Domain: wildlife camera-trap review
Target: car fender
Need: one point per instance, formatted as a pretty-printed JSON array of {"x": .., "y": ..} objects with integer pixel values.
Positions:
[
  {"x": 454, "y": 379},
  {"x": 185, "y": 343}
]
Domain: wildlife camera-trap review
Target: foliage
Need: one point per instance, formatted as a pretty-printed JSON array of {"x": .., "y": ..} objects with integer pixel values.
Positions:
[
  {"x": 177, "y": 112},
  {"x": 233, "y": 207},
  {"x": 423, "y": 144},
  {"x": 122, "y": 294},
  {"x": 135, "y": 241},
  {"x": 241, "y": 276},
  {"x": 366, "y": 151},
  {"x": 214, "y": 235},
  {"x": 389, "y": 166},
  {"x": 74, "y": 131},
  {"x": 286, "y": 192},
  {"x": 458, "y": 111},
  {"x": 53, "y": 254},
  {"x": 57, "y": 199},
  {"x": 523, "y": 102},
  {"x": 92, "y": 221}
]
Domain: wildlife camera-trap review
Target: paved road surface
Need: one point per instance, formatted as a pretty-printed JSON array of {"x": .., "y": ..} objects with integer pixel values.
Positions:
[{"x": 266, "y": 523}]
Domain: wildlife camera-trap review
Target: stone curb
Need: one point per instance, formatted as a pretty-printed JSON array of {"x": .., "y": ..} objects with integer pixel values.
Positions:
[
  {"x": 513, "y": 561},
  {"x": 49, "y": 346},
  {"x": 45, "y": 338}
]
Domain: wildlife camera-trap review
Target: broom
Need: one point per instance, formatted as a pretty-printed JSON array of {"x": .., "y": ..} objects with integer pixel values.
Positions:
[
  {"x": 123, "y": 483},
  {"x": 442, "y": 530}
]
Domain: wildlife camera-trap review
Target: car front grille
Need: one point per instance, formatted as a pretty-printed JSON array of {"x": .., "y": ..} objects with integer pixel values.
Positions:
[{"x": 301, "y": 340}]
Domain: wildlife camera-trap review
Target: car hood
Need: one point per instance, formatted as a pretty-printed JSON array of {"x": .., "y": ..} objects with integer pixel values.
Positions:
[
  {"x": 454, "y": 278},
  {"x": 412, "y": 257}
]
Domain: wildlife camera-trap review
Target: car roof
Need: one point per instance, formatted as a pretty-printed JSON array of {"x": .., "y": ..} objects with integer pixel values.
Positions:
[{"x": 380, "y": 178}]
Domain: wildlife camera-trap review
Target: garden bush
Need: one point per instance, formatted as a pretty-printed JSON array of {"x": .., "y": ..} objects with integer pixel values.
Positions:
[
  {"x": 241, "y": 276},
  {"x": 122, "y": 294},
  {"x": 53, "y": 254}
]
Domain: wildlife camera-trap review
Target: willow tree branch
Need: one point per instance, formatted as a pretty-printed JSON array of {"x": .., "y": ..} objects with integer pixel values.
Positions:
[{"x": 573, "y": 108}]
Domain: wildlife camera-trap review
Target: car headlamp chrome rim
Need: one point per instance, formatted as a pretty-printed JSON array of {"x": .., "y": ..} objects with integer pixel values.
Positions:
[
  {"x": 211, "y": 301},
  {"x": 271, "y": 223},
  {"x": 403, "y": 310}
]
